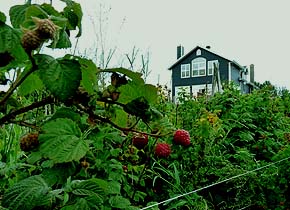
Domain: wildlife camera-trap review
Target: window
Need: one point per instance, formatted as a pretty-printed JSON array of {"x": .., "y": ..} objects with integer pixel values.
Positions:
[
  {"x": 201, "y": 89},
  {"x": 198, "y": 52},
  {"x": 198, "y": 67},
  {"x": 181, "y": 92},
  {"x": 185, "y": 70},
  {"x": 210, "y": 66}
]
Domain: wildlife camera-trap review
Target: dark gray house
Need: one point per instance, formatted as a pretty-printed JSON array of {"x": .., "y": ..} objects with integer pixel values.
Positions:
[{"x": 193, "y": 72}]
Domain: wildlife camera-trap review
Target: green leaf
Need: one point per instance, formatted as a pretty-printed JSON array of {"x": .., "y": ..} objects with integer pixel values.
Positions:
[
  {"x": 17, "y": 14},
  {"x": 134, "y": 90},
  {"x": 87, "y": 188},
  {"x": 63, "y": 41},
  {"x": 64, "y": 112},
  {"x": 60, "y": 21},
  {"x": 61, "y": 77},
  {"x": 10, "y": 43},
  {"x": 73, "y": 12},
  {"x": 92, "y": 190},
  {"x": 59, "y": 173},
  {"x": 50, "y": 10},
  {"x": 27, "y": 194},
  {"x": 89, "y": 75},
  {"x": 35, "y": 11},
  {"x": 119, "y": 202},
  {"x": 121, "y": 118},
  {"x": 30, "y": 84},
  {"x": 135, "y": 76},
  {"x": 139, "y": 107},
  {"x": 114, "y": 187},
  {"x": 61, "y": 141},
  {"x": 34, "y": 157},
  {"x": 2, "y": 17}
]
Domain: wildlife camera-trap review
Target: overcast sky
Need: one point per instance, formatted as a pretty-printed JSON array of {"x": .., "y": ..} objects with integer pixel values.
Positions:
[{"x": 247, "y": 31}]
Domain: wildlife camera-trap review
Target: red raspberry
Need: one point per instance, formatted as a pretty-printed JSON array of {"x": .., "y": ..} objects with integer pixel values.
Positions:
[
  {"x": 140, "y": 141},
  {"x": 162, "y": 150},
  {"x": 181, "y": 137}
]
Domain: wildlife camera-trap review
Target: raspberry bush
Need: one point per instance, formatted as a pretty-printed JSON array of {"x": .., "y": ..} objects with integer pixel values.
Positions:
[{"x": 71, "y": 142}]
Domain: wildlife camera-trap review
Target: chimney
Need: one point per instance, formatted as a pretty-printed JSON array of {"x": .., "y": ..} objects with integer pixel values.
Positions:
[
  {"x": 180, "y": 51},
  {"x": 252, "y": 73}
]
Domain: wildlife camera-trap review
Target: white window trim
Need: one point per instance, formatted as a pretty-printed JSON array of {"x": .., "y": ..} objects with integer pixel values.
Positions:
[
  {"x": 187, "y": 69},
  {"x": 208, "y": 64},
  {"x": 179, "y": 89},
  {"x": 198, "y": 52},
  {"x": 197, "y": 88},
  {"x": 192, "y": 70}
]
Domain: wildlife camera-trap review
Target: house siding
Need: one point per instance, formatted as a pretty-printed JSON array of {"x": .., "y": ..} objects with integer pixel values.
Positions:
[
  {"x": 176, "y": 70},
  {"x": 229, "y": 70},
  {"x": 235, "y": 74}
]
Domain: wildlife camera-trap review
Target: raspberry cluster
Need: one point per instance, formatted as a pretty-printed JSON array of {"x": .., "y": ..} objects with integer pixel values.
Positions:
[
  {"x": 29, "y": 141},
  {"x": 162, "y": 150},
  {"x": 32, "y": 39},
  {"x": 181, "y": 137},
  {"x": 45, "y": 28},
  {"x": 140, "y": 141}
]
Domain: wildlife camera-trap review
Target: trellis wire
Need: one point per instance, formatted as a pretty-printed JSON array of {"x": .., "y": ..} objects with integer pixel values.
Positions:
[{"x": 211, "y": 185}]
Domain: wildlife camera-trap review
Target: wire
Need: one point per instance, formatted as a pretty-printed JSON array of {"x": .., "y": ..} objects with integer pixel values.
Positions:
[{"x": 211, "y": 185}]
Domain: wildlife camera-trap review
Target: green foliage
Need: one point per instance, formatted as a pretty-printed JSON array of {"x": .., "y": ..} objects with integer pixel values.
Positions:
[
  {"x": 2, "y": 17},
  {"x": 61, "y": 141},
  {"x": 89, "y": 75},
  {"x": 85, "y": 157},
  {"x": 73, "y": 13},
  {"x": 10, "y": 42},
  {"x": 27, "y": 194},
  {"x": 32, "y": 83},
  {"x": 60, "y": 76}
]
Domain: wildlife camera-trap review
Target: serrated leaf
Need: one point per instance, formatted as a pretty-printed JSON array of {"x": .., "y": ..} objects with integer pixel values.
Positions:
[
  {"x": 121, "y": 118},
  {"x": 66, "y": 113},
  {"x": 59, "y": 21},
  {"x": 2, "y": 17},
  {"x": 59, "y": 173},
  {"x": 119, "y": 202},
  {"x": 35, "y": 11},
  {"x": 30, "y": 84},
  {"x": 63, "y": 41},
  {"x": 61, "y": 77},
  {"x": 61, "y": 141},
  {"x": 89, "y": 75},
  {"x": 133, "y": 90},
  {"x": 73, "y": 12},
  {"x": 134, "y": 76},
  {"x": 17, "y": 14},
  {"x": 27, "y": 194},
  {"x": 93, "y": 190},
  {"x": 10, "y": 42},
  {"x": 50, "y": 10},
  {"x": 34, "y": 157},
  {"x": 114, "y": 187}
]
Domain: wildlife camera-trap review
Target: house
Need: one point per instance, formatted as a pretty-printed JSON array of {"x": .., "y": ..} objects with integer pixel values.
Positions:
[{"x": 194, "y": 72}]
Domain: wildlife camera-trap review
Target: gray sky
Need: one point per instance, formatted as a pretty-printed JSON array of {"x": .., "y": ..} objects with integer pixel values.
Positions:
[{"x": 248, "y": 31}]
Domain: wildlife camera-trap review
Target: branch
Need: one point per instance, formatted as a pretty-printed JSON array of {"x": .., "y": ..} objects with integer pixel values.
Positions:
[
  {"x": 107, "y": 120},
  {"x": 12, "y": 115},
  {"x": 23, "y": 123}
]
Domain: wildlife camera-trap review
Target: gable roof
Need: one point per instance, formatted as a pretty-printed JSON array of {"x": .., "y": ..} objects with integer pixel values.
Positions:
[{"x": 194, "y": 49}]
